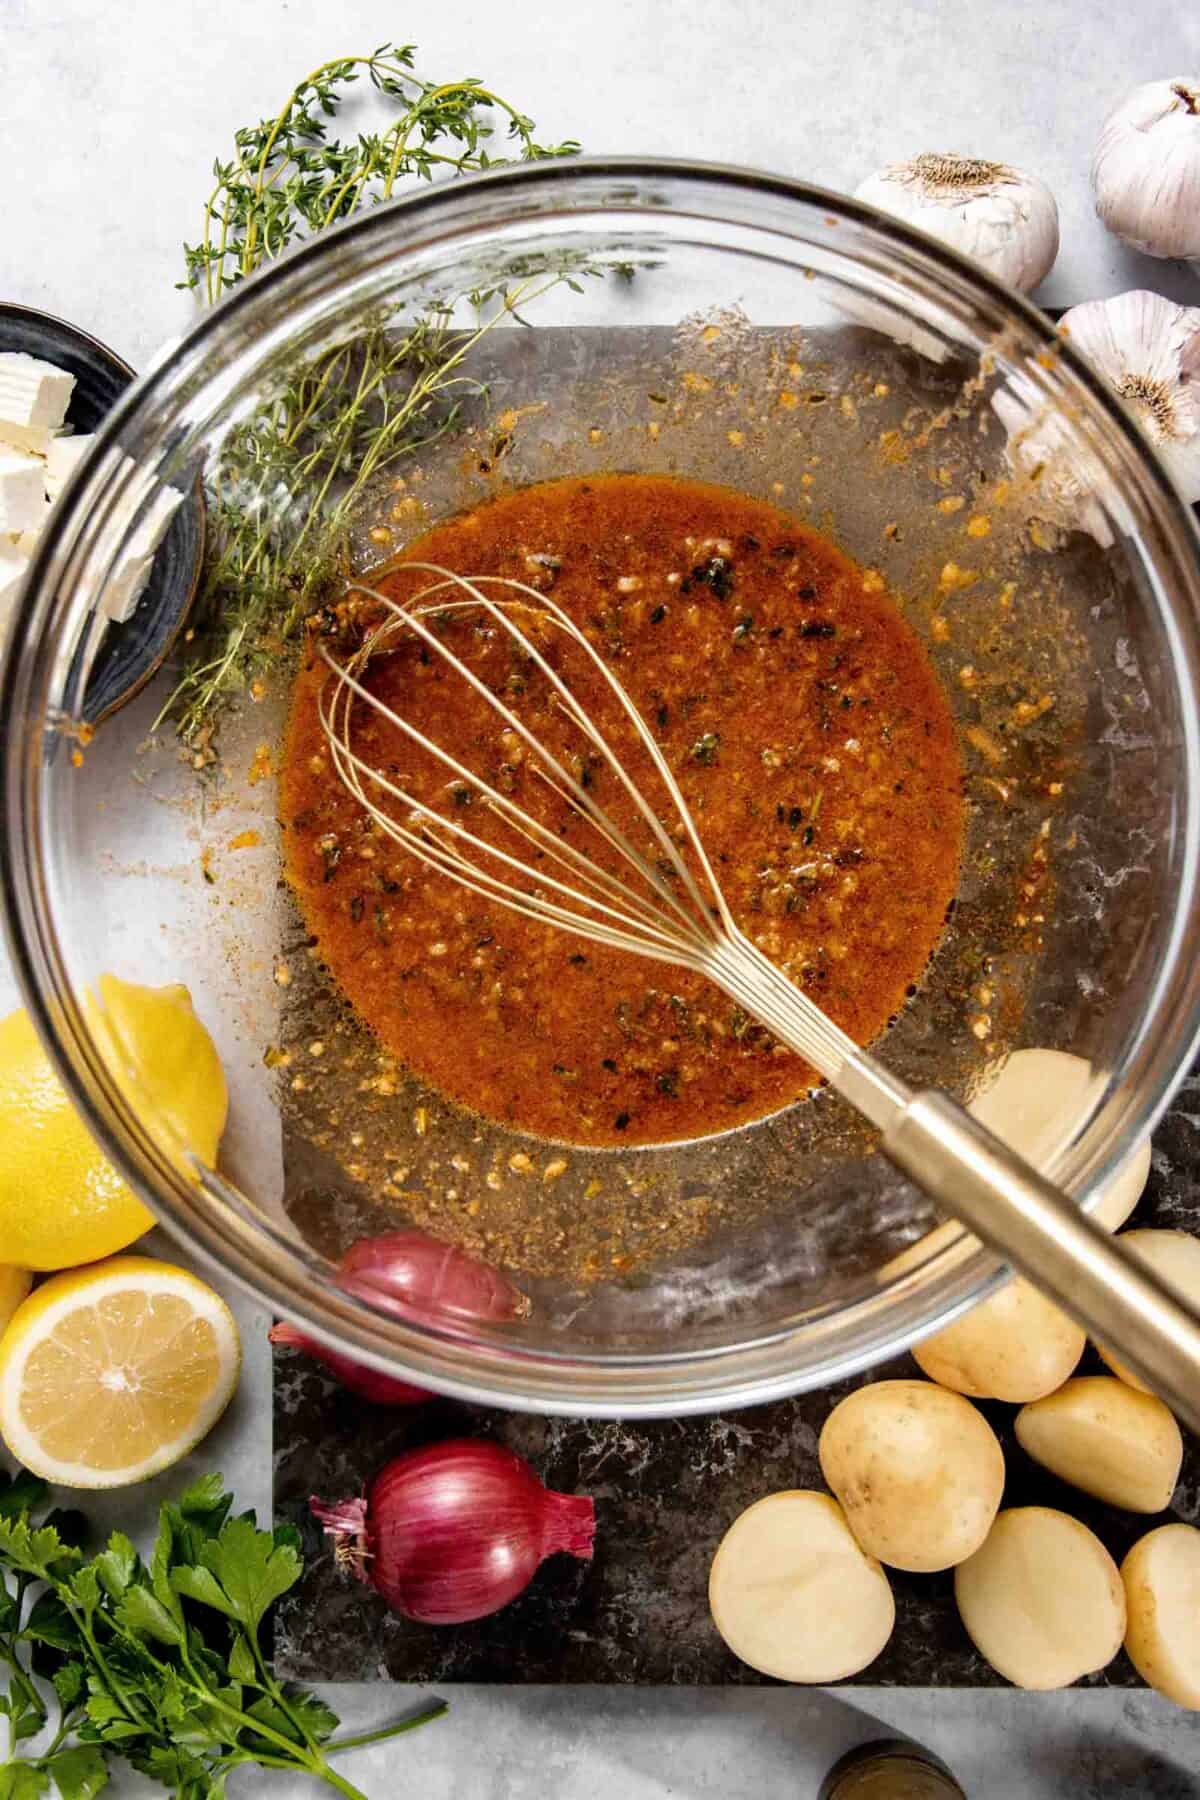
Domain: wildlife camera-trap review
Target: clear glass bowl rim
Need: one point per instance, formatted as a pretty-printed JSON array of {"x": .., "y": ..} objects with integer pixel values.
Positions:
[{"x": 215, "y": 1222}]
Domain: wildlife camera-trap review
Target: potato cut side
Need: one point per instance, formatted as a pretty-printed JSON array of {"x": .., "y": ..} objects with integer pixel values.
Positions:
[
  {"x": 918, "y": 1470},
  {"x": 1162, "y": 1593},
  {"x": 1030, "y": 1104},
  {"x": 793, "y": 1595},
  {"x": 1016, "y": 1345},
  {"x": 1108, "y": 1439},
  {"x": 1042, "y": 1599},
  {"x": 1176, "y": 1257}
]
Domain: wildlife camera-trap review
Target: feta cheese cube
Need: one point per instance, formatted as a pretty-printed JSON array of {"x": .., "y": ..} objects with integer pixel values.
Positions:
[
  {"x": 128, "y": 581},
  {"x": 123, "y": 591},
  {"x": 22, "y": 491},
  {"x": 62, "y": 457},
  {"x": 13, "y": 564},
  {"x": 152, "y": 526},
  {"x": 34, "y": 397},
  {"x": 26, "y": 541}
]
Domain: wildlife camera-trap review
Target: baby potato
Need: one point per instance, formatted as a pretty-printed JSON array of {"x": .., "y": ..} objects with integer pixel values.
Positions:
[
  {"x": 1026, "y": 1105},
  {"x": 1173, "y": 1255},
  {"x": 1041, "y": 1599},
  {"x": 1016, "y": 1345},
  {"x": 1108, "y": 1439},
  {"x": 1162, "y": 1593},
  {"x": 1117, "y": 1199},
  {"x": 918, "y": 1470},
  {"x": 792, "y": 1593}
]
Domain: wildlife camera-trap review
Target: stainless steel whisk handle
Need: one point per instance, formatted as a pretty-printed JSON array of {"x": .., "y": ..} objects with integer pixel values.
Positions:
[{"x": 1022, "y": 1216}]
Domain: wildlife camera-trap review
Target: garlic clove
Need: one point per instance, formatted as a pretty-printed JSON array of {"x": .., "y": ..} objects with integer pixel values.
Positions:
[
  {"x": 1146, "y": 168},
  {"x": 1002, "y": 217}
]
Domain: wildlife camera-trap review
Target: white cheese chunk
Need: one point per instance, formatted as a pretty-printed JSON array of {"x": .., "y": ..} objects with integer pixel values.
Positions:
[
  {"x": 123, "y": 591},
  {"x": 62, "y": 457},
  {"x": 22, "y": 491},
  {"x": 152, "y": 526},
  {"x": 34, "y": 397},
  {"x": 26, "y": 541},
  {"x": 125, "y": 586},
  {"x": 13, "y": 564}
]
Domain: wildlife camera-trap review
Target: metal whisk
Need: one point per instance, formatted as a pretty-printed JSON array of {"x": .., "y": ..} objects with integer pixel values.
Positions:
[{"x": 669, "y": 906}]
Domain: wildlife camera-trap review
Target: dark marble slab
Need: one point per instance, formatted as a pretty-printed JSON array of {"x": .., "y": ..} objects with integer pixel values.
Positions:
[{"x": 665, "y": 1491}]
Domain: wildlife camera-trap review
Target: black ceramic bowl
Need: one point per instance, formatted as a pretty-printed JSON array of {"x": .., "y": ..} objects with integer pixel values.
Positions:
[{"x": 129, "y": 653}]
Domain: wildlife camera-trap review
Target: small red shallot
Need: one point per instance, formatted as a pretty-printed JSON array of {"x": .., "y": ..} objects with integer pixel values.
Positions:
[
  {"x": 356, "y": 1378},
  {"x": 455, "y": 1531},
  {"x": 413, "y": 1275}
]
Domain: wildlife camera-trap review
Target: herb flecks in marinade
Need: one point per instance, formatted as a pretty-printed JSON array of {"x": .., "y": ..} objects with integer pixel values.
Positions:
[{"x": 834, "y": 832}]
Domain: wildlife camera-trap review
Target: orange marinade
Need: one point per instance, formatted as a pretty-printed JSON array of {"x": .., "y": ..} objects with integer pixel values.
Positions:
[{"x": 808, "y": 733}]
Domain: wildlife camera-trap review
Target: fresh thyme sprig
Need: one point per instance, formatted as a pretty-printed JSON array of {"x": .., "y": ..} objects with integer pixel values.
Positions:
[
  {"x": 288, "y": 179},
  {"x": 286, "y": 484}
]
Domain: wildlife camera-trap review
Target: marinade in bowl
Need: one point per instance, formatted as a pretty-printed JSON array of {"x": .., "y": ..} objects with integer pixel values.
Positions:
[{"x": 1040, "y": 855}]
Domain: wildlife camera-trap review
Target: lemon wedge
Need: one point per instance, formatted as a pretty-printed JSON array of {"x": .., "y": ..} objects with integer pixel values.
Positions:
[{"x": 110, "y": 1373}]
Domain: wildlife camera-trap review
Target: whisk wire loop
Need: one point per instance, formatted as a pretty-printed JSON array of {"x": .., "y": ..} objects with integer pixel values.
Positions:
[{"x": 677, "y": 914}]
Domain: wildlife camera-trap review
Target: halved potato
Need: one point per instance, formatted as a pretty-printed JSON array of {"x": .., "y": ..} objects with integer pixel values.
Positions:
[
  {"x": 918, "y": 1470},
  {"x": 1026, "y": 1105},
  {"x": 1108, "y": 1439},
  {"x": 1162, "y": 1593},
  {"x": 1176, "y": 1257},
  {"x": 1017, "y": 1345},
  {"x": 792, "y": 1593},
  {"x": 1042, "y": 1599}
]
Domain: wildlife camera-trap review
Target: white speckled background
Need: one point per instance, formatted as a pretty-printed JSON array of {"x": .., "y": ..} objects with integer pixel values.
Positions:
[{"x": 112, "y": 115}]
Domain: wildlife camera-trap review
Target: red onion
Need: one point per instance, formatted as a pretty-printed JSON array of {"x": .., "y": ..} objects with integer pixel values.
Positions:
[
  {"x": 413, "y": 1276},
  {"x": 455, "y": 1531},
  {"x": 357, "y": 1378},
  {"x": 408, "y": 1273}
]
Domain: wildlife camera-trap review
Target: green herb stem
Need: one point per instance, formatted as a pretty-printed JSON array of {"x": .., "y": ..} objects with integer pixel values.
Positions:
[
  {"x": 436, "y": 1709},
  {"x": 287, "y": 484}
]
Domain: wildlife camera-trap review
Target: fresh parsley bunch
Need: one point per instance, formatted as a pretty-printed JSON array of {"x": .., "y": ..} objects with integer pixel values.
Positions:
[{"x": 160, "y": 1663}]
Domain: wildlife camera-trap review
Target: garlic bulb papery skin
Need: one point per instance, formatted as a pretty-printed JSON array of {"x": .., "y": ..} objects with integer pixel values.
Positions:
[
  {"x": 1148, "y": 351},
  {"x": 1068, "y": 484},
  {"x": 1003, "y": 218},
  {"x": 1146, "y": 169}
]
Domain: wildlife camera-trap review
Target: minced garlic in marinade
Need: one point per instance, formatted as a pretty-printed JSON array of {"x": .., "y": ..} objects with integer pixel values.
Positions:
[{"x": 813, "y": 744}]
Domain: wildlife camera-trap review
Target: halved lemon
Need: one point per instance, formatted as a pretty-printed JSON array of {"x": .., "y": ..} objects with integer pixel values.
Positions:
[{"x": 110, "y": 1373}]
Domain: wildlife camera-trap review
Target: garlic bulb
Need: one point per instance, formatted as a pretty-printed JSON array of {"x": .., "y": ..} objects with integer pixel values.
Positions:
[
  {"x": 1148, "y": 350},
  {"x": 1146, "y": 168},
  {"x": 1068, "y": 484},
  {"x": 1005, "y": 219}
]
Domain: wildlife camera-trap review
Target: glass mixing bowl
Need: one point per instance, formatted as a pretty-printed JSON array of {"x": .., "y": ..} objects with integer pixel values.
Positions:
[{"x": 716, "y": 324}]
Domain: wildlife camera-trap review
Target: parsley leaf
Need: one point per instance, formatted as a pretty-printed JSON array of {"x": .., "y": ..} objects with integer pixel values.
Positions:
[
  {"x": 158, "y": 1663},
  {"x": 23, "y": 1781},
  {"x": 247, "y": 1570},
  {"x": 79, "y": 1773}
]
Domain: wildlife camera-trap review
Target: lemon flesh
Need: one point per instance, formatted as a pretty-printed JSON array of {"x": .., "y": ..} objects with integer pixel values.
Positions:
[{"x": 111, "y": 1373}]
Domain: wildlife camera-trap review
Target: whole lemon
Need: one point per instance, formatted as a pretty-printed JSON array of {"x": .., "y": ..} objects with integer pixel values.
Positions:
[{"x": 61, "y": 1202}]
